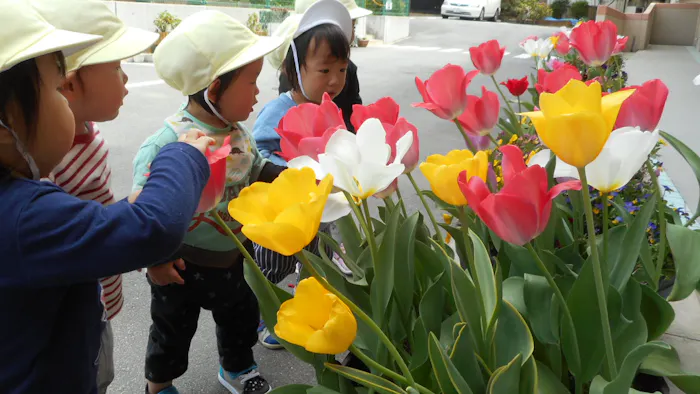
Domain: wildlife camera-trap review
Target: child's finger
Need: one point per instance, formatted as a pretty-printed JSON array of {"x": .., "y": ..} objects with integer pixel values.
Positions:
[
  {"x": 180, "y": 264},
  {"x": 175, "y": 276}
]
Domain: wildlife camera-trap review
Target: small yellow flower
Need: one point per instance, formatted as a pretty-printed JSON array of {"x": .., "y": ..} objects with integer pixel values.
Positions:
[
  {"x": 443, "y": 171},
  {"x": 596, "y": 211},
  {"x": 652, "y": 241},
  {"x": 615, "y": 221},
  {"x": 513, "y": 138},
  {"x": 554, "y": 40},
  {"x": 447, "y": 218},
  {"x": 635, "y": 201},
  {"x": 529, "y": 156},
  {"x": 498, "y": 179},
  {"x": 316, "y": 319},
  {"x": 448, "y": 238},
  {"x": 500, "y": 141},
  {"x": 610, "y": 197},
  {"x": 662, "y": 142}
]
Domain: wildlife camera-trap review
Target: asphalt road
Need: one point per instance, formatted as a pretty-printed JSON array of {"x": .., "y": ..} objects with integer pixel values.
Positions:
[{"x": 383, "y": 71}]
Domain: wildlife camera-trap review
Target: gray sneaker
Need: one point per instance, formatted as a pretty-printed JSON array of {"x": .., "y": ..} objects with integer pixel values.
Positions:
[{"x": 248, "y": 383}]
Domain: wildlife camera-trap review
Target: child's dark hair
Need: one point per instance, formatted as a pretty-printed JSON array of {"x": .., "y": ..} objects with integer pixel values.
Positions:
[
  {"x": 226, "y": 81},
  {"x": 332, "y": 34}
]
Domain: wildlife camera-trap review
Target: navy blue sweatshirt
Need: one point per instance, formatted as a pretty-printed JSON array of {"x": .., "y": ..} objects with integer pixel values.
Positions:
[{"x": 54, "y": 248}]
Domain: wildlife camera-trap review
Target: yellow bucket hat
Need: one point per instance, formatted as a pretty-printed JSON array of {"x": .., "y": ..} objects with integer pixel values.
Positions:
[
  {"x": 356, "y": 12},
  {"x": 205, "y": 46},
  {"x": 94, "y": 17},
  {"x": 26, "y": 35}
]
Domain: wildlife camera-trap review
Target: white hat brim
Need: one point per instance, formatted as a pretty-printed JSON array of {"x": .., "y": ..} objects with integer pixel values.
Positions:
[
  {"x": 57, "y": 40},
  {"x": 132, "y": 42},
  {"x": 326, "y": 12},
  {"x": 357, "y": 13},
  {"x": 263, "y": 46}
]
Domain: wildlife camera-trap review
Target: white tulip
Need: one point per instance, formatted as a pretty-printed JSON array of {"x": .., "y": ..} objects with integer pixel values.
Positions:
[{"x": 539, "y": 49}]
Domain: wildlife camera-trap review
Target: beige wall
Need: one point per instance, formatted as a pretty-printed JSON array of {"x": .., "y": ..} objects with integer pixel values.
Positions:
[{"x": 674, "y": 26}]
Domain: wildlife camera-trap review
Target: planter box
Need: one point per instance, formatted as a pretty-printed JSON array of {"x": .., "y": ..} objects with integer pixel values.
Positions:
[{"x": 554, "y": 23}]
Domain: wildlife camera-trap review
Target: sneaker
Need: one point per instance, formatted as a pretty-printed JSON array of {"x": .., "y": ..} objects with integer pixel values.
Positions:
[
  {"x": 266, "y": 339},
  {"x": 169, "y": 390},
  {"x": 340, "y": 263},
  {"x": 247, "y": 383}
]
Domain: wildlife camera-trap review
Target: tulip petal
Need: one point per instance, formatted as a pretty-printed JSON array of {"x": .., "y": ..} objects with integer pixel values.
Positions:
[
  {"x": 337, "y": 334},
  {"x": 512, "y": 218},
  {"x": 337, "y": 206},
  {"x": 576, "y": 138},
  {"x": 291, "y": 331},
  {"x": 343, "y": 146},
  {"x": 307, "y": 162},
  {"x": 285, "y": 239},
  {"x": 375, "y": 177},
  {"x": 402, "y": 147},
  {"x": 371, "y": 143},
  {"x": 561, "y": 169},
  {"x": 610, "y": 105},
  {"x": 342, "y": 175},
  {"x": 512, "y": 163},
  {"x": 251, "y": 206}
]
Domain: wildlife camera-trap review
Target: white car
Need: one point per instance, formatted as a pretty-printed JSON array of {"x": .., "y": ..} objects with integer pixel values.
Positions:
[{"x": 471, "y": 9}]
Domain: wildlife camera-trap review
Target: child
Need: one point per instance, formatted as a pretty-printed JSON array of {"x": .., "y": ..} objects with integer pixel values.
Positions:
[
  {"x": 314, "y": 60},
  {"x": 95, "y": 88},
  {"x": 350, "y": 95},
  {"x": 55, "y": 246},
  {"x": 215, "y": 61}
]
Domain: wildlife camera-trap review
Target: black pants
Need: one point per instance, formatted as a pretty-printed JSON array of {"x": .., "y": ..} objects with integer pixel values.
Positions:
[{"x": 175, "y": 312}]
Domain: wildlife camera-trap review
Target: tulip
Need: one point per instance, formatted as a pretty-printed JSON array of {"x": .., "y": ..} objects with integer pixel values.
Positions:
[
  {"x": 556, "y": 63},
  {"x": 359, "y": 162},
  {"x": 621, "y": 158},
  {"x": 387, "y": 111},
  {"x": 214, "y": 190},
  {"x": 445, "y": 92},
  {"x": 576, "y": 121},
  {"x": 517, "y": 87},
  {"x": 552, "y": 82},
  {"x": 316, "y": 320},
  {"x": 644, "y": 107},
  {"x": 481, "y": 115},
  {"x": 305, "y": 129},
  {"x": 594, "y": 41},
  {"x": 620, "y": 45},
  {"x": 561, "y": 43},
  {"x": 487, "y": 57},
  {"x": 528, "y": 38},
  {"x": 284, "y": 215},
  {"x": 520, "y": 211},
  {"x": 539, "y": 49},
  {"x": 442, "y": 172}
]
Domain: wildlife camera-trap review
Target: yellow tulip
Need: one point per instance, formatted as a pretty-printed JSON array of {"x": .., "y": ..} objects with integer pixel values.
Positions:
[
  {"x": 576, "y": 121},
  {"x": 284, "y": 215},
  {"x": 442, "y": 173},
  {"x": 316, "y": 319}
]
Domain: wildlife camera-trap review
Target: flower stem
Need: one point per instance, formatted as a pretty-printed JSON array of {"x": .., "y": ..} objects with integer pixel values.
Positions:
[
  {"x": 368, "y": 217},
  {"x": 428, "y": 210},
  {"x": 464, "y": 223},
  {"x": 661, "y": 257},
  {"x": 598, "y": 276},
  {"x": 604, "y": 197},
  {"x": 363, "y": 316},
  {"x": 562, "y": 301},
  {"x": 510, "y": 108},
  {"x": 368, "y": 361},
  {"x": 363, "y": 223},
  {"x": 520, "y": 108},
  {"x": 467, "y": 140},
  {"x": 493, "y": 140},
  {"x": 401, "y": 203}
]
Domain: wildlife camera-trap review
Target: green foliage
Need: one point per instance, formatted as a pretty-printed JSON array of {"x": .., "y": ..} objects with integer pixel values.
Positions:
[
  {"x": 166, "y": 22},
  {"x": 579, "y": 9},
  {"x": 531, "y": 11},
  {"x": 559, "y": 8}
]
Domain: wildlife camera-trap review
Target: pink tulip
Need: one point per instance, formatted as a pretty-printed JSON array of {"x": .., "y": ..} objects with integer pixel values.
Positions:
[
  {"x": 487, "y": 57},
  {"x": 393, "y": 187},
  {"x": 644, "y": 107},
  {"x": 594, "y": 41},
  {"x": 520, "y": 211},
  {"x": 445, "y": 92},
  {"x": 214, "y": 190},
  {"x": 563, "y": 46},
  {"x": 528, "y": 38},
  {"x": 481, "y": 115},
  {"x": 620, "y": 45},
  {"x": 387, "y": 111},
  {"x": 551, "y": 82},
  {"x": 306, "y": 128}
]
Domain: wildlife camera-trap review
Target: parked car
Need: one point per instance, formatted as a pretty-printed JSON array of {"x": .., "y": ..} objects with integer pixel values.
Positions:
[{"x": 471, "y": 9}]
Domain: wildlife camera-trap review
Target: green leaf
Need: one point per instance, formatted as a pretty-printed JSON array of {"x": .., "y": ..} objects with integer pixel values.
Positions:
[
  {"x": 464, "y": 293},
  {"x": 548, "y": 382},
  {"x": 647, "y": 262},
  {"x": 685, "y": 246},
  {"x": 512, "y": 336},
  {"x": 358, "y": 274},
  {"x": 383, "y": 281},
  {"x": 628, "y": 370},
  {"x": 688, "y": 154},
  {"x": 441, "y": 204},
  {"x": 463, "y": 357},
  {"x": 366, "y": 379},
  {"x": 619, "y": 205},
  {"x": 447, "y": 330},
  {"x": 449, "y": 378},
  {"x": 291, "y": 389},
  {"x": 657, "y": 312},
  {"x": 321, "y": 390},
  {"x": 521, "y": 259},
  {"x": 350, "y": 235},
  {"x": 420, "y": 344},
  {"x": 553, "y": 260},
  {"x": 571, "y": 255},
  {"x": 513, "y": 292},
  {"x": 431, "y": 307},
  {"x": 666, "y": 363},
  {"x": 538, "y": 300},
  {"x": 404, "y": 265},
  {"x": 485, "y": 277},
  {"x": 629, "y": 253},
  {"x": 456, "y": 233},
  {"x": 506, "y": 379},
  {"x": 634, "y": 334}
]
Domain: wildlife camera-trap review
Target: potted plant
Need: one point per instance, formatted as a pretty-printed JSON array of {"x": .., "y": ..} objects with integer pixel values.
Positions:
[
  {"x": 362, "y": 42},
  {"x": 165, "y": 22}
]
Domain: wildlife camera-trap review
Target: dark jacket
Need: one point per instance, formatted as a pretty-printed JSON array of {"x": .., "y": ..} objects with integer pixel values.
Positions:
[{"x": 349, "y": 96}]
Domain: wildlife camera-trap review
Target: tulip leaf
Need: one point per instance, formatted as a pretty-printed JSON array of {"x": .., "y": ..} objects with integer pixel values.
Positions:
[
  {"x": 464, "y": 293},
  {"x": 350, "y": 234},
  {"x": 321, "y": 390},
  {"x": 456, "y": 234},
  {"x": 404, "y": 266},
  {"x": 513, "y": 289},
  {"x": 448, "y": 377},
  {"x": 528, "y": 376},
  {"x": 552, "y": 260},
  {"x": 657, "y": 312},
  {"x": 357, "y": 273},
  {"x": 506, "y": 379},
  {"x": 628, "y": 369},
  {"x": 366, "y": 379},
  {"x": 548, "y": 382},
  {"x": 685, "y": 246},
  {"x": 291, "y": 389},
  {"x": 688, "y": 154},
  {"x": 431, "y": 307},
  {"x": 512, "y": 336},
  {"x": 485, "y": 278},
  {"x": 420, "y": 344},
  {"x": 665, "y": 362},
  {"x": 538, "y": 299},
  {"x": 383, "y": 281},
  {"x": 571, "y": 255},
  {"x": 447, "y": 330},
  {"x": 451, "y": 209},
  {"x": 631, "y": 245},
  {"x": 463, "y": 356},
  {"x": 634, "y": 334}
]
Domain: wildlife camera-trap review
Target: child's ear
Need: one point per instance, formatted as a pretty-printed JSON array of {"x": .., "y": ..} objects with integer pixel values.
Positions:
[
  {"x": 213, "y": 92},
  {"x": 71, "y": 87}
]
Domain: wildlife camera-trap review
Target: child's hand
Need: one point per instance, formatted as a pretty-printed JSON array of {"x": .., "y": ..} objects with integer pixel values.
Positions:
[
  {"x": 165, "y": 274},
  {"x": 133, "y": 196},
  {"x": 197, "y": 139}
]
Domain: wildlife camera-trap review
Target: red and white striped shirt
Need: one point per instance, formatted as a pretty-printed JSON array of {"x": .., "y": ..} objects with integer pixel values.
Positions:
[{"x": 84, "y": 173}]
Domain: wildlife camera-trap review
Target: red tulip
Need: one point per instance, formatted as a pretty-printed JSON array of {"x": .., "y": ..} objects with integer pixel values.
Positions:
[
  {"x": 551, "y": 82},
  {"x": 306, "y": 128},
  {"x": 594, "y": 41},
  {"x": 387, "y": 111},
  {"x": 520, "y": 211},
  {"x": 481, "y": 115},
  {"x": 487, "y": 57},
  {"x": 517, "y": 87},
  {"x": 620, "y": 45},
  {"x": 445, "y": 92},
  {"x": 214, "y": 190},
  {"x": 644, "y": 107},
  {"x": 563, "y": 45}
]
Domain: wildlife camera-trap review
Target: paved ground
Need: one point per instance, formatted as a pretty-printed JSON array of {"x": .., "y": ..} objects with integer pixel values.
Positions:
[{"x": 382, "y": 71}]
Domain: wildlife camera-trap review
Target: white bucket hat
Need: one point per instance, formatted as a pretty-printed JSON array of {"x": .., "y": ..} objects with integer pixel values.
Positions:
[
  {"x": 94, "y": 17},
  {"x": 320, "y": 12},
  {"x": 26, "y": 35},
  {"x": 205, "y": 46},
  {"x": 356, "y": 12}
]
